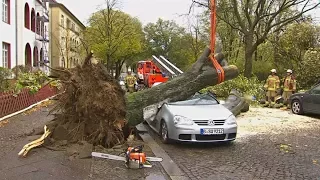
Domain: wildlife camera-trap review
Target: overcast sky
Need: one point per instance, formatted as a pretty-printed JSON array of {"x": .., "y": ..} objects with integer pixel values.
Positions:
[{"x": 146, "y": 10}]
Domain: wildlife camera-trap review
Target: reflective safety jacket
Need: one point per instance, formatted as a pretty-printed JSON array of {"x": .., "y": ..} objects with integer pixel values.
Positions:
[
  {"x": 273, "y": 83},
  {"x": 289, "y": 84},
  {"x": 130, "y": 80}
]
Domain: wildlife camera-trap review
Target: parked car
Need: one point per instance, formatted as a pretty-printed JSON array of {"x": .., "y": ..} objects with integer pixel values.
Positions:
[
  {"x": 306, "y": 102},
  {"x": 201, "y": 118}
]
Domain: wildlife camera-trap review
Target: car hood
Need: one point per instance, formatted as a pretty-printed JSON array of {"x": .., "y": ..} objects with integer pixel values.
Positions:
[{"x": 201, "y": 112}]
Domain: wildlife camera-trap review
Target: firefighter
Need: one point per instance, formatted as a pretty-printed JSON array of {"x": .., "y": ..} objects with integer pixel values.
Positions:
[
  {"x": 272, "y": 86},
  {"x": 289, "y": 87},
  {"x": 130, "y": 81}
]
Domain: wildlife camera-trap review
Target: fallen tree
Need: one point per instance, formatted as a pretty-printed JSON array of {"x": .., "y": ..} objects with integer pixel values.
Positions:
[
  {"x": 236, "y": 103},
  {"x": 93, "y": 107},
  {"x": 200, "y": 75}
]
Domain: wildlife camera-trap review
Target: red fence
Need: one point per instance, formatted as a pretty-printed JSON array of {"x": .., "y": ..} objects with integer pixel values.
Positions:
[{"x": 10, "y": 104}]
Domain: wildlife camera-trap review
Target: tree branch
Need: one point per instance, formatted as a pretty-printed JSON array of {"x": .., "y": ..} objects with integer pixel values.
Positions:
[{"x": 237, "y": 15}]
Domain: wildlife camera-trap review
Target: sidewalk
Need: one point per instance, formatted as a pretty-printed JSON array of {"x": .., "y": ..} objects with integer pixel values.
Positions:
[{"x": 42, "y": 163}]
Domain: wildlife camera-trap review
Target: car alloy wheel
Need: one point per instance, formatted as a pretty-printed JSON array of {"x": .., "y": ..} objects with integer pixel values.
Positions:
[
  {"x": 164, "y": 132},
  {"x": 296, "y": 107}
]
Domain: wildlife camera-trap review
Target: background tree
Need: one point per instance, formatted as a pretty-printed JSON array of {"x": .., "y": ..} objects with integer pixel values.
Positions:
[
  {"x": 114, "y": 36},
  {"x": 294, "y": 42},
  {"x": 309, "y": 73},
  {"x": 256, "y": 19},
  {"x": 174, "y": 42},
  {"x": 160, "y": 36},
  {"x": 298, "y": 49},
  {"x": 197, "y": 34}
]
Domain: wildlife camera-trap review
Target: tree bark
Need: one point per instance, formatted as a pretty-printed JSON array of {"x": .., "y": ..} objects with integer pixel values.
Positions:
[
  {"x": 118, "y": 69},
  {"x": 200, "y": 75},
  {"x": 236, "y": 103},
  {"x": 248, "y": 55}
]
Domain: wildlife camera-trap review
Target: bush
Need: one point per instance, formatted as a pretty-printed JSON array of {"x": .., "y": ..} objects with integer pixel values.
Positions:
[
  {"x": 32, "y": 81},
  {"x": 251, "y": 87},
  {"x": 308, "y": 73},
  {"x": 22, "y": 69},
  {"x": 4, "y": 75}
]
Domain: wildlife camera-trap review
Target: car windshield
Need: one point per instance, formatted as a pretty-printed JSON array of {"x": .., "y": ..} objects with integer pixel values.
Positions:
[{"x": 198, "y": 99}]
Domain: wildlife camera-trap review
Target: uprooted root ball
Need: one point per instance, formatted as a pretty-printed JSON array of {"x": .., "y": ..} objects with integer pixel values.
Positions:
[{"x": 92, "y": 108}]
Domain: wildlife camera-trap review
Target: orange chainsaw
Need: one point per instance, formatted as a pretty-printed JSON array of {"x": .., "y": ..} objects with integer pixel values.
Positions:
[{"x": 134, "y": 158}]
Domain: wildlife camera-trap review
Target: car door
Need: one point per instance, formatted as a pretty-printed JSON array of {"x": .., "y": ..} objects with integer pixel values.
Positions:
[
  {"x": 315, "y": 94},
  {"x": 311, "y": 101}
]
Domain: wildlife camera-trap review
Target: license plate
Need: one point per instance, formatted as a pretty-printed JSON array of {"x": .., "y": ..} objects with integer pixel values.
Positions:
[{"x": 211, "y": 131}]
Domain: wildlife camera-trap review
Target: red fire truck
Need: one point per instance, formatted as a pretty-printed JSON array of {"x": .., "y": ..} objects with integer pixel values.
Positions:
[{"x": 155, "y": 70}]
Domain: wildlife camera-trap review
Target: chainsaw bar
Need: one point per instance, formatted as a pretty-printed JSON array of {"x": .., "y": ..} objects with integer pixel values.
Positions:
[
  {"x": 119, "y": 158},
  {"x": 108, "y": 156}
]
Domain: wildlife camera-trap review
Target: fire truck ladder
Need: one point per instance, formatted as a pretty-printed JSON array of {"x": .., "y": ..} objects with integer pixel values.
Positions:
[
  {"x": 164, "y": 68},
  {"x": 174, "y": 68}
]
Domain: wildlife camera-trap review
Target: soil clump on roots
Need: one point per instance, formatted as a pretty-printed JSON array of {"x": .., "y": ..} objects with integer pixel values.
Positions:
[{"x": 92, "y": 107}]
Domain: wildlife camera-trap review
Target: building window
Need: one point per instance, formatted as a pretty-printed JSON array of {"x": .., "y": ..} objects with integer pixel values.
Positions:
[
  {"x": 6, "y": 55},
  {"x": 73, "y": 26},
  {"x": 42, "y": 29},
  {"x": 35, "y": 57},
  {"x": 62, "y": 21},
  {"x": 38, "y": 24},
  {"x": 26, "y": 16},
  {"x": 6, "y": 11},
  {"x": 68, "y": 24},
  {"x": 33, "y": 20},
  {"x": 28, "y": 61},
  {"x": 41, "y": 58}
]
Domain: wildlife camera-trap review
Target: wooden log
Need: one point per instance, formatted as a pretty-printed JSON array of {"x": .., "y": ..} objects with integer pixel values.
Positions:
[{"x": 236, "y": 103}]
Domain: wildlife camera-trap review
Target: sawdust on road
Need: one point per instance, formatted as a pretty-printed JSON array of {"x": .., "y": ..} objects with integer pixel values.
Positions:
[{"x": 275, "y": 121}]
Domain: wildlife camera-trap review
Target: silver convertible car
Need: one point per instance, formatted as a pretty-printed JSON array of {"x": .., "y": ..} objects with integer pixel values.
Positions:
[{"x": 199, "y": 119}]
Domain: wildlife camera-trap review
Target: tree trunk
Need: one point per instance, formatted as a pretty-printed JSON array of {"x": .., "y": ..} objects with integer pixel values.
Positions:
[
  {"x": 118, "y": 69},
  {"x": 200, "y": 75},
  {"x": 238, "y": 49},
  {"x": 256, "y": 55},
  {"x": 248, "y": 55},
  {"x": 108, "y": 63}
]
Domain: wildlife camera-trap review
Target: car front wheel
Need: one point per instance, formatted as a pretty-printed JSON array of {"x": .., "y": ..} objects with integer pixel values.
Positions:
[
  {"x": 296, "y": 107},
  {"x": 164, "y": 133}
]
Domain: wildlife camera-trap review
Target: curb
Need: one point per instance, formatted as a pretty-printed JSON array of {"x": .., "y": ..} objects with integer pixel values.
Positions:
[
  {"x": 21, "y": 111},
  {"x": 171, "y": 168}
]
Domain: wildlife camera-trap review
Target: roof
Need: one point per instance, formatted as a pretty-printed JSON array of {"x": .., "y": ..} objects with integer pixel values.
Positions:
[{"x": 54, "y": 3}]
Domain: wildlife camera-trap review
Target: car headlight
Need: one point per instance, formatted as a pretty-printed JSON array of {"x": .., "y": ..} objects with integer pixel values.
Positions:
[
  {"x": 231, "y": 120},
  {"x": 180, "y": 120}
]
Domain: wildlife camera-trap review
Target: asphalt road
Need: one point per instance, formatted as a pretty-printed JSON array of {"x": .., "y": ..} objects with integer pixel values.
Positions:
[
  {"x": 271, "y": 144},
  {"x": 42, "y": 163}
]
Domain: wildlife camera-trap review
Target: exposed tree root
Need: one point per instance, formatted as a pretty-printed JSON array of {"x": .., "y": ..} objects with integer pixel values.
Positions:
[{"x": 91, "y": 108}]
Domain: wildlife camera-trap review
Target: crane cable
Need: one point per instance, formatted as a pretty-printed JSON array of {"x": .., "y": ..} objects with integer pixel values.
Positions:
[{"x": 216, "y": 64}]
